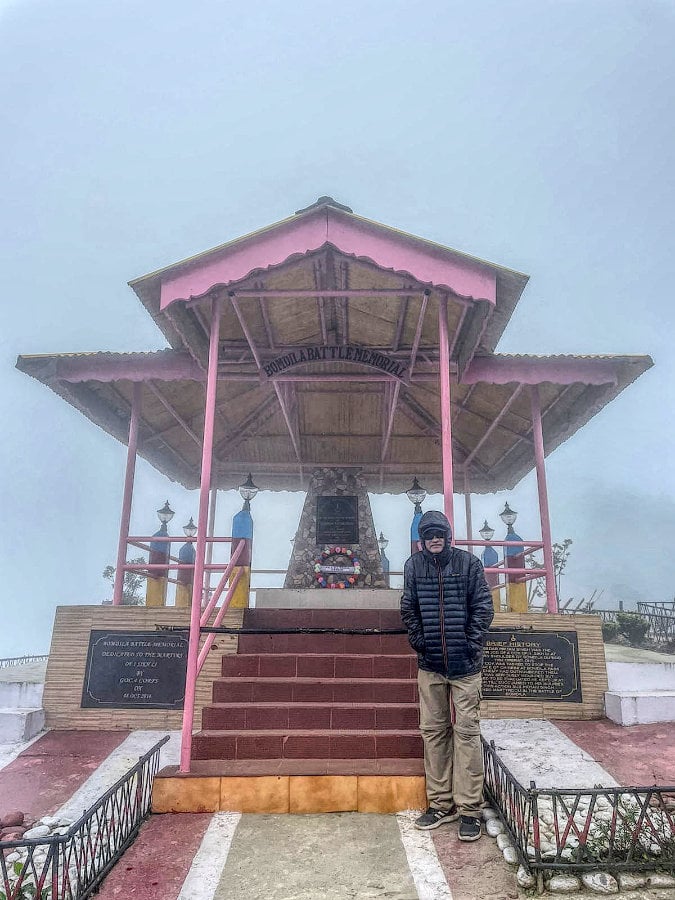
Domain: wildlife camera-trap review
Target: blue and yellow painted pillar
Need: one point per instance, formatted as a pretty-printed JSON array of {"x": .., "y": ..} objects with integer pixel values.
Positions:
[
  {"x": 491, "y": 558},
  {"x": 155, "y": 589},
  {"x": 186, "y": 556},
  {"x": 242, "y": 530},
  {"x": 415, "y": 529},
  {"x": 516, "y": 590}
]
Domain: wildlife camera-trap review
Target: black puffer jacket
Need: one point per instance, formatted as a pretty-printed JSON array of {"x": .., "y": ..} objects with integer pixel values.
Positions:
[{"x": 447, "y": 608}]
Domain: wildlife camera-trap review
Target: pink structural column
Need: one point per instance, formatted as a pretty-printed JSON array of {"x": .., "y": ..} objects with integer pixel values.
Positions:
[
  {"x": 118, "y": 589},
  {"x": 446, "y": 426},
  {"x": 467, "y": 509},
  {"x": 538, "y": 435},
  {"x": 198, "y": 580}
]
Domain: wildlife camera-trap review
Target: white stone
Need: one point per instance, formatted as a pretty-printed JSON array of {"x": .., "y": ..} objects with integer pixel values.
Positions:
[
  {"x": 600, "y": 882},
  {"x": 564, "y": 884},
  {"x": 489, "y": 813},
  {"x": 510, "y": 855},
  {"x": 525, "y": 878},
  {"x": 12, "y": 857},
  {"x": 494, "y": 827},
  {"x": 50, "y": 821},
  {"x": 547, "y": 849},
  {"x": 661, "y": 880},
  {"x": 38, "y": 832},
  {"x": 531, "y": 852},
  {"x": 503, "y": 840},
  {"x": 629, "y": 881},
  {"x": 546, "y": 816}
]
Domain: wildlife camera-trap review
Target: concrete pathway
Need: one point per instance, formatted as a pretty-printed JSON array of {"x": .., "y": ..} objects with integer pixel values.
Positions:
[{"x": 338, "y": 856}]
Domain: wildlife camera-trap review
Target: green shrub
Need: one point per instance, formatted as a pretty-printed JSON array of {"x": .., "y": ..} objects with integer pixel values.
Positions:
[
  {"x": 610, "y": 631},
  {"x": 633, "y": 627}
]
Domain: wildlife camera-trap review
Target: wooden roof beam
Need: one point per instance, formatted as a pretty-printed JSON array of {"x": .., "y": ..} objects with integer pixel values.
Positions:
[
  {"x": 528, "y": 434},
  {"x": 172, "y": 410},
  {"x": 418, "y": 332},
  {"x": 402, "y": 312},
  {"x": 277, "y": 387},
  {"x": 495, "y": 423}
]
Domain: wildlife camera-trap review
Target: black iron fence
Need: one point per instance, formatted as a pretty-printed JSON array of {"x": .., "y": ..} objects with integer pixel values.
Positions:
[
  {"x": 70, "y": 866},
  {"x": 660, "y": 619},
  {"x": 622, "y": 829}
]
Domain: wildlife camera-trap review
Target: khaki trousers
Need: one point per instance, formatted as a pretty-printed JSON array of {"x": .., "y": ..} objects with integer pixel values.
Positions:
[{"x": 453, "y": 755}]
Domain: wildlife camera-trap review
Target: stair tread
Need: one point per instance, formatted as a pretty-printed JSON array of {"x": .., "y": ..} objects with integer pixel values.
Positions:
[
  {"x": 310, "y": 679},
  {"x": 296, "y": 732},
  {"x": 314, "y": 655},
  {"x": 404, "y": 766},
  {"x": 309, "y": 704}
]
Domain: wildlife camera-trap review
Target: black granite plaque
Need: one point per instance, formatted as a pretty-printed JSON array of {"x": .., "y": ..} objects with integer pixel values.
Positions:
[
  {"x": 531, "y": 665},
  {"x": 337, "y": 520},
  {"x": 135, "y": 670}
]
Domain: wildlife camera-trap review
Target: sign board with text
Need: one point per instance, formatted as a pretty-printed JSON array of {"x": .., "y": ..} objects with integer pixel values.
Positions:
[
  {"x": 135, "y": 670},
  {"x": 531, "y": 665}
]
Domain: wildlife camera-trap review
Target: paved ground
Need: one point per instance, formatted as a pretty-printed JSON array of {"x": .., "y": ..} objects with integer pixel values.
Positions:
[
  {"x": 638, "y": 755},
  {"x": 227, "y": 856},
  {"x": 50, "y": 770}
]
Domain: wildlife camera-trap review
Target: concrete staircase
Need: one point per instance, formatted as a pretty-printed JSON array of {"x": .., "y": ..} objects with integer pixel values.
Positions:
[
  {"x": 315, "y": 696},
  {"x": 307, "y": 723}
]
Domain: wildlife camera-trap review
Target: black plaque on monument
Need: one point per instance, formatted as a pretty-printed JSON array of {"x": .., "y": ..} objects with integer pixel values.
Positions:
[
  {"x": 135, "y": 670},
  {"x": 337, "y": 520},
  {"x": 531, "y": 665}
]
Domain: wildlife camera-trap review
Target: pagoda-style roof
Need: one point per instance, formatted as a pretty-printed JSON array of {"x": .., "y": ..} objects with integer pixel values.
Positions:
[{"x": 329, "y": 356}]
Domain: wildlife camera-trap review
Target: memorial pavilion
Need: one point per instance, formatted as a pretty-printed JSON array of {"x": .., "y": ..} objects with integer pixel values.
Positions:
[{"x": 329, "y": 341}]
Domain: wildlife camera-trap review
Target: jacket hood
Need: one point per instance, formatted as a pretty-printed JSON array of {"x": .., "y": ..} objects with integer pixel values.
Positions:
[{"x": 434, "y": 520}]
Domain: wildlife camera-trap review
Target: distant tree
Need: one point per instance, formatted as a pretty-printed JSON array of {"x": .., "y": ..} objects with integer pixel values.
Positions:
[
  {"x": 132, "y": 588},
  {"x": 536, "y": 587}
]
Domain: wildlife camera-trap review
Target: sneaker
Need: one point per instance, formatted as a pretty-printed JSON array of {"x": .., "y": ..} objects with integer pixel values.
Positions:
[
  {"x": 469, "y": 828},
  {"x": 432, "y": 818}
]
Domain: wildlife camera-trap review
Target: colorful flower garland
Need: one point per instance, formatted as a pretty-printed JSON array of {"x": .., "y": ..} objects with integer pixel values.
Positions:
[{"x": 341, "y": 583}]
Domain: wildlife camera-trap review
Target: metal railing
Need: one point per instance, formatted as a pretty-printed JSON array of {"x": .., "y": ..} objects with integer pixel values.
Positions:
[
  {"x": 22, "y": 660},
  {"x": 622, "y": 829},
  {"x": 661, "y": 620},
  {"x": 70, "y": 866}
]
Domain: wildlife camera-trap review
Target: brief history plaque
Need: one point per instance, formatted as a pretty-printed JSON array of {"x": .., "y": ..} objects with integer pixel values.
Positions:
[
  {"x": 135, "y": 670},
  {"x": 337, "y": 520},
  {"x": 531, "y": 665}
]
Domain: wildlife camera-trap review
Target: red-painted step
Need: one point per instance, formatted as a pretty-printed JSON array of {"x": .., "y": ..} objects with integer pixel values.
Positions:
[
  {"x": 314, "y": 690},
  {"x": 324, "y": 643},
  {"x": 312, "y": 744},
  {"x": 320, "y": 665},
  {"x": 292, "y": 716}
]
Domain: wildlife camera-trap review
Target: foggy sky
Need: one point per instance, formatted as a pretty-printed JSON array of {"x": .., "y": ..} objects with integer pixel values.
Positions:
[{"x": 537, "y": 135}]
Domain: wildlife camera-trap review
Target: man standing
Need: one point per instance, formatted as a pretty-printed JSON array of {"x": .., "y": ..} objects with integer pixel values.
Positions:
[{"x": 447, "y": 608}]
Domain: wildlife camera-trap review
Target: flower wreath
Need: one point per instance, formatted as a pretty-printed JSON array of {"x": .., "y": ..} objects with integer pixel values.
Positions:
[{"x": 341, "y": 583}]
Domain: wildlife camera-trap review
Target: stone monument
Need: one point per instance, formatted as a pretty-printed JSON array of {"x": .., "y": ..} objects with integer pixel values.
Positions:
[{"x": 336, "y": 514}]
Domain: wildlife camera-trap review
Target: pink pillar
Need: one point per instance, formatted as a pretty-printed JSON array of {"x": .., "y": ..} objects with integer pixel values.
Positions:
[
  {"x": 446, "y": 427},
  {"x": 467, "y": 509},
  {"x": 537, "y": 433},
  {"x": 125, "y": 519},
  {"x": 198, "y": 580}
]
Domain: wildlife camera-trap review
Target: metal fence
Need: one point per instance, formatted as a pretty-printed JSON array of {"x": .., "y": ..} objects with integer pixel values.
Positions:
[
  {"x": 70, "y": 866},
  {"x": 622, "y": 829},
  {"x": 660, "y": 619},
  {"x": 21, "y": 660}
]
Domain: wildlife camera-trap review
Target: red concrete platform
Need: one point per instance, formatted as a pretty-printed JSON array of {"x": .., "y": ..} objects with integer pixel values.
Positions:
[{"x": 46, "y": 774}]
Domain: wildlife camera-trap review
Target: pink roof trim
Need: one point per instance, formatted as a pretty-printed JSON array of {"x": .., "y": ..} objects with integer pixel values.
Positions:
[{"x": 351, "y": 235}]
